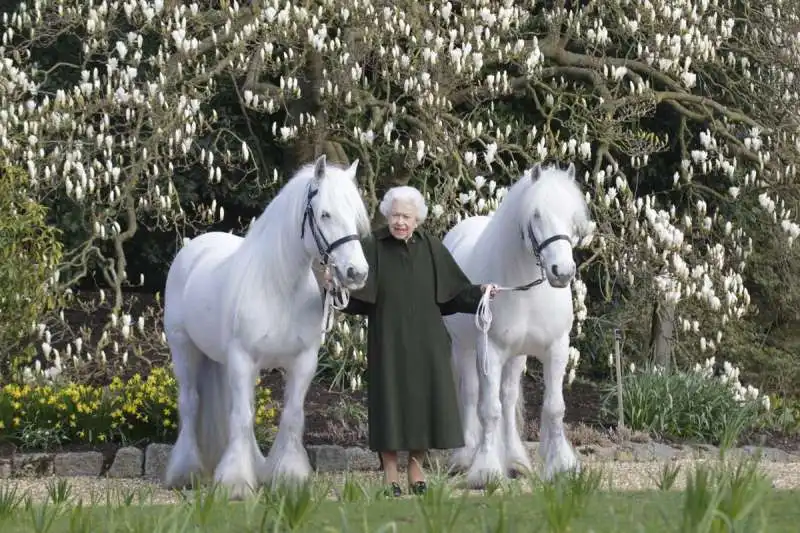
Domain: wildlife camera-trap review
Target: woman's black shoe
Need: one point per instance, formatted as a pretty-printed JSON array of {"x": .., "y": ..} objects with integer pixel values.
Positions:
[
  {"x": 394, "y": 490},
  {"x": 419, "y": 487}
]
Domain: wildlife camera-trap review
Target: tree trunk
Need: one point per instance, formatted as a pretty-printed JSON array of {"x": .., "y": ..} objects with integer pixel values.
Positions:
[
  {"x": 312, "y": 141},
  {"x": 662, "y": 341}
]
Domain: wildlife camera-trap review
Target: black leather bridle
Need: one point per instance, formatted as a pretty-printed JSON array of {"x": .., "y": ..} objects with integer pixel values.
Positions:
[
  {"x": 323, "y": 246},
  {"x": 537, "y": 251}
]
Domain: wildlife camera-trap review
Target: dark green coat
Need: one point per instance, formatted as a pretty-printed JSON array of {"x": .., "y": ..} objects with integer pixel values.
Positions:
[{"x": 412, "y": 402}]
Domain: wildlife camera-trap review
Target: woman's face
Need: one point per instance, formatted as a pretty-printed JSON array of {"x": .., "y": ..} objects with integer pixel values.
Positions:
[{"x": 402, "y": 219}]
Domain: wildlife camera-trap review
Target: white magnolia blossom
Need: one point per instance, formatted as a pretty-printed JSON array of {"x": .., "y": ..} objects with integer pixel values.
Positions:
[
  {"x": 730, "y": 376},
  {"x": 422, "y": 81}
]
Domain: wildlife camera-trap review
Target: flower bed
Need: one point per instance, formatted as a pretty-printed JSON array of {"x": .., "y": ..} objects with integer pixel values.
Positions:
[
  {"x": 42, "y": 415},
  {"x": 704, "y": 404}
]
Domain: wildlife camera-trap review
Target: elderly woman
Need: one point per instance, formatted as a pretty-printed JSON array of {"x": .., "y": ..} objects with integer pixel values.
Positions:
[{"x": 413, "y": 281}]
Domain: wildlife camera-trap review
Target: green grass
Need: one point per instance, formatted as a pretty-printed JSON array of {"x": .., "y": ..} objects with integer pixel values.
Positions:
[
  {"x": 715, "y": 500},
  {"x": 651, "y": 511}
]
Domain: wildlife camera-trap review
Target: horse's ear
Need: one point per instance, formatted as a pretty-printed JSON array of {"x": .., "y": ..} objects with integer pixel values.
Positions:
[
  {"x": 352, "y": 169},
  {"x": 536, "y": 171},
  {"x": 571, "y": 171},
  {"x": 319, "y": 168}
]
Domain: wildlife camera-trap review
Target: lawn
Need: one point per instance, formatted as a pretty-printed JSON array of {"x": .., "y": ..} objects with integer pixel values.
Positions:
[
  {"x": 651, "y": 512},
  {"x": 711, "y": 499}
]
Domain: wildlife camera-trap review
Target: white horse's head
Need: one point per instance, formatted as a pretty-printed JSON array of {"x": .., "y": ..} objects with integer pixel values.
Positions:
[
  {"x": 334, "y": 220},
  {"x": 555, "y": 218}
]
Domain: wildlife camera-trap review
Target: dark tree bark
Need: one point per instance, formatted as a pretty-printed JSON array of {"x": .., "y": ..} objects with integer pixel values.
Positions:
[{"x": 662, "y": 335}]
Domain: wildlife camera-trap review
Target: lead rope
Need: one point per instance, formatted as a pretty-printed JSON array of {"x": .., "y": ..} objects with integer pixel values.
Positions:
[
  {"x": 336, "y": 297},
  {"x": 483, "y": 321},
  {"x": 483, "y": 315}
]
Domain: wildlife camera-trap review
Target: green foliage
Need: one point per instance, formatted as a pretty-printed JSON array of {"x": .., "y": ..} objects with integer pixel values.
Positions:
[
  {"x": 29, "y": 253},
  {"x": 767, "y": 355},
  {"x": 42, "y": 415},
  {"x": 784, "y": 416},
  {"x": 343, "y": 361},
  {"x": 724, "y": 499},
  {"x": 766, "y": 343},
  {"x": 566, "y": 498},
  {"x": 691, "y": 405}
]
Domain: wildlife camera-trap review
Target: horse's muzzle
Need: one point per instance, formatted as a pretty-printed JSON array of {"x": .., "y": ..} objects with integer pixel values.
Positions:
[{"x": 353, "y": 278}]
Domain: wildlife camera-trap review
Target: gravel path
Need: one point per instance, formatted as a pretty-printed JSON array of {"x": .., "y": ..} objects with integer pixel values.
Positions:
[{"x": 617, "y": 475}]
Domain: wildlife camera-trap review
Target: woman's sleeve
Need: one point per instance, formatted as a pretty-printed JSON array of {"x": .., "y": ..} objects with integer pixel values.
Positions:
[
  {"x": 455, "y": 293},
  {"x": 465, "y": 301}
]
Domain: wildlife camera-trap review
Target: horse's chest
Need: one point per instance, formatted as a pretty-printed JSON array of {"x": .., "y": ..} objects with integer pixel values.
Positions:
[
  {"x": 532, "y": 325},
  {"x": 281, "y": 334}
]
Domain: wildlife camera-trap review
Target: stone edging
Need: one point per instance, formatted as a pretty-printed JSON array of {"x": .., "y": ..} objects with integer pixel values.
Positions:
[{"x": 131, "y": 462}]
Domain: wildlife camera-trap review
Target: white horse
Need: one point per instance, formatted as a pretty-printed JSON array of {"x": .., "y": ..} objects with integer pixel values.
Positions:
[
  {"x": 528, "y": 240},
  {"x": 234, "y": 306}
]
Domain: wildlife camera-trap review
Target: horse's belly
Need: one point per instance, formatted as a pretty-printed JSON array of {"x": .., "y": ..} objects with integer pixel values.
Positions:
[
  {"x": 202, "y": 302},
  {"x": 203, "y": 318}
]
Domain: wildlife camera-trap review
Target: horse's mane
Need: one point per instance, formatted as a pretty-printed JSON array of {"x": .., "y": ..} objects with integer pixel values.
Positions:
[
  {"x": 555, "y": 193},
  {"x": 272, "y": 250}
]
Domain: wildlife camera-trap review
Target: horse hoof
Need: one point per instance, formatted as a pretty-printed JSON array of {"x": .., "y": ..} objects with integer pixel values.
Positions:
[
  {"x": 239, "y": 491},
  {"x": 518, "y": 470},
  {"x": 481, "y": 479},
  {"x": 457, "y": 469},
  {"x": 553, "y": 472},
  {"x": 181, "y": 485},
  {"x": 188, "y": 481},
  {"x": 234, "y": 487}
]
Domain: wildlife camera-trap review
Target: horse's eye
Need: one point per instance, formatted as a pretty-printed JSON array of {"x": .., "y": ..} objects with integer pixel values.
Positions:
[{"x": 325, "y": 215}]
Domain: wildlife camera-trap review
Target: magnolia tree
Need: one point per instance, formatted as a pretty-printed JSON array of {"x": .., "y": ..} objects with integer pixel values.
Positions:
[{"x": 457, "y": 97}]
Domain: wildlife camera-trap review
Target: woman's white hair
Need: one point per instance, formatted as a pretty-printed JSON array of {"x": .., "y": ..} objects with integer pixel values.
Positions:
[{"x": 404, "y": 193}]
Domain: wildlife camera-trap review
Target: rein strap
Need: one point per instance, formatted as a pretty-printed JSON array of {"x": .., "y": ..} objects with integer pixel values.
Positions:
[{"x": 336, "y": 297}]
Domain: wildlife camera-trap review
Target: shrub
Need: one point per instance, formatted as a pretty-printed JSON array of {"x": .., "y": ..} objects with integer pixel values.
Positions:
[
  {"x": 693, "y": 405},
  {"x": 29, "y": 252},
  {"x": 137, "y": 410},
  {"x": 342, "y": 362}
]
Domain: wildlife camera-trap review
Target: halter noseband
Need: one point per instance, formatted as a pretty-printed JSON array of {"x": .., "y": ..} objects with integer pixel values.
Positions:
[
  {"x": 323, "y": 246},
  {"x": 537, "y": 250}
]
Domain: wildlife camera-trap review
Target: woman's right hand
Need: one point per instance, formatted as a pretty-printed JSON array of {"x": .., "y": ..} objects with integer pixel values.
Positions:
[{"x": 492, "y": 289}]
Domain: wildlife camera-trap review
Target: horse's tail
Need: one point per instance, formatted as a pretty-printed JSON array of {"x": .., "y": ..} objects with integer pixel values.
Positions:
[{"x": 214, "y": 411}]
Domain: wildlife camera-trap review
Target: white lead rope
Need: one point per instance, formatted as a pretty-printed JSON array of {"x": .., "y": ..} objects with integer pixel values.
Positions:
[
  {"x": 483, "y": 316},
  {"x": 336, "y": 297},
  {"x": 483, "y": 321}
]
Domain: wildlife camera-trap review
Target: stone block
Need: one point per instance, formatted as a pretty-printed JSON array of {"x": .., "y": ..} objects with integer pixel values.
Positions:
[
  {"x": 78, "y": 464},
  {"x": 156, "y": 457},
  {"x": 128, "y": 463}
]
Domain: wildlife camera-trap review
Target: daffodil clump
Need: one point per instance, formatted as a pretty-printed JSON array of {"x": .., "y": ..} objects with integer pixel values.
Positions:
[{"x": 136, "y": 410}]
